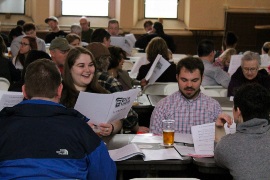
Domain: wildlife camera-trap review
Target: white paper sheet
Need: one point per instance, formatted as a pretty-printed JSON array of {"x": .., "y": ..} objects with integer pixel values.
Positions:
[
  {"x": 184, "y": 150},
  {"x": 265, "y": 60},
  {"x": 230, "y": 130},
  {"x": 147, "y": 138},
  {"x": 132, "y": 150},
  {"x": 9, "y": 99},
  {"x": 117, "y": 41},
  {"x": 126, "y": 43},
  {"x": 157, "y": 68},
  {"x": 203, "y": 138},
  {"x": 234, "y": 63},
  {"x": 143, "y": 100},
  {"x": 160, "y": 154},
  {"x": 125, "y": 152},
  {"x": 103, "y": 108},
  {"x": 135, "y": 69},
  {"x": 184, "y": 138}
]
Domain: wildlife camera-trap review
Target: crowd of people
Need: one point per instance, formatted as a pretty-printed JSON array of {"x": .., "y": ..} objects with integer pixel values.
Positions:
[{"x": 84, "y": 61}]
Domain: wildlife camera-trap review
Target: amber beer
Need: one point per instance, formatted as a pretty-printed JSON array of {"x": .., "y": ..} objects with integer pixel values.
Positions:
[
  {"x": 168, "y": 132},
  {"x": 168, "y": 137}
]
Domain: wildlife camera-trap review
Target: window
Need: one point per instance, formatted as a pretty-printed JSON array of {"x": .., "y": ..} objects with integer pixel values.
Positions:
[
  {"x": 12, "y": 6},
  {"x": 161, "y": 8},
  {"x": 85, "y": 7}
]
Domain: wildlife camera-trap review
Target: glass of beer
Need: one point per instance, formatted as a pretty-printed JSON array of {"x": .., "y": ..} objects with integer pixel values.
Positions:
[
  {"x": 168, "y": 132},
  {"x": 9, "y": 52}
]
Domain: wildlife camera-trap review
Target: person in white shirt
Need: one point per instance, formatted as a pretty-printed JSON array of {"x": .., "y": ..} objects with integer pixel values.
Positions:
[
  {"x": 29, "y": 29},
  {"x": 213, "y": 76}
]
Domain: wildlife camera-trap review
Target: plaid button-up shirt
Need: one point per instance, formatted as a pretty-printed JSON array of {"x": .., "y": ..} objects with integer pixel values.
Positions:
[
  {"x": 185, "y": 112},
  {"x": 109, "y": 83}
]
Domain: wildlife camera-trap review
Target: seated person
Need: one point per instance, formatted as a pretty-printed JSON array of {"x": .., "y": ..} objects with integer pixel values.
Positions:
[
  {"x": 42, "y": 139},
  {"x": 29, "y": 29},
  {"x": 229, "y": 41},
  {"x": 102, "y": 36},
  {"x": 86, "y": 30},
  {"x": 59, "y": 48},
  {"x": 115, "y": 68},
  {"x": 266, "y": 48},
  {"x": 73, "y": 39},
  {"x": 13, "y": 34},
  {"x": 76, "y": 29},
  {"x": 188, "y": 106},
  {"x": 156, "y": 32},
  {"x": 248, "y": 149},
  {"x": 157, "y": 46},
  {"x": 7, "y": 69},
  {"x": 32, "y": 56},
  {"x": 80, "y": 75},
  {"x": 5, "y": 38},
  {"x": 55, "y": 29},
  {"x": 113, "y": 27},
  {"x": 148, "y": 26},
  {"x": 27, "y": 44},
  {"x": 213, "y": 76},
  {"x": 249, "y": 72},
  {"x": 102, "y": 56},
  {"x": 223, "y": 61},
  {"x": 20, "y": 22}
]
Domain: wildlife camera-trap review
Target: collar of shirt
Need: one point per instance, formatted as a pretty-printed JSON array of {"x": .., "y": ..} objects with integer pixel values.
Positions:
[{"x": 40, "y": 101}]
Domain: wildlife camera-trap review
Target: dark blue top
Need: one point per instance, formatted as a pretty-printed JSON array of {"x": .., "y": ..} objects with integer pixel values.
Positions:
[{"x": 44, "y": 140}]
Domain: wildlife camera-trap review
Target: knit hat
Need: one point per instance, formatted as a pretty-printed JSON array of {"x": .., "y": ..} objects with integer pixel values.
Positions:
[
  {"x": 51, "y": 18},
  {"x": 60, "y": 43},
  {"x": 98, "y": 49}
]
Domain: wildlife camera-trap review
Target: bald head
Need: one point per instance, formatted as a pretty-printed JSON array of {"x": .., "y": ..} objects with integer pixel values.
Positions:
[{"x": 85, "y": 24}]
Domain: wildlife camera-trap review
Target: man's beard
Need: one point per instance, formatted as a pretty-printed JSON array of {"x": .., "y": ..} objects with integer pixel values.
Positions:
[{"x": 193, "y": 96}]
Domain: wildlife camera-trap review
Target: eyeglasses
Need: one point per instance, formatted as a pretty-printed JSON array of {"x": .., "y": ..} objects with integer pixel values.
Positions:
[
  {"x": 24, "y": 44},
  {"x": 252, "y": 70}
]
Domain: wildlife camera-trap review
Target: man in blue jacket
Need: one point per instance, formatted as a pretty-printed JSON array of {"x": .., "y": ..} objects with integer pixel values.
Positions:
[{"x": 41, "y": 139}]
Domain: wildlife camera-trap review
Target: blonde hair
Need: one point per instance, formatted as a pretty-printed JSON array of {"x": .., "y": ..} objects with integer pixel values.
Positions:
[{"x": 226, "y": 55}]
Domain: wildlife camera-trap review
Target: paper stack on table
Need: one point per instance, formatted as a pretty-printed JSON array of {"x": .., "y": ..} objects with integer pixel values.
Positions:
[{"x": 132, "y": 150}]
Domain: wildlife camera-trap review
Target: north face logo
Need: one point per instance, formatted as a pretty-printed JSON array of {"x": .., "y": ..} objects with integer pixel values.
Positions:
[{"x": 62, "y": 152}]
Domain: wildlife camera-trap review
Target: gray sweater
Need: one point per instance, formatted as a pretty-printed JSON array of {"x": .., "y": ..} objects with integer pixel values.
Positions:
[{"x": 247, "y": 152}]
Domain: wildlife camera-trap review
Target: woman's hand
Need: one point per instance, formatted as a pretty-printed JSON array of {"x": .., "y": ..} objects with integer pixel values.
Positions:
[{"x": 106, "y": 129}]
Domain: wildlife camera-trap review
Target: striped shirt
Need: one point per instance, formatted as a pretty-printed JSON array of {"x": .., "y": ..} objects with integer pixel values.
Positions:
[{"x": 185, "y": 112}]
